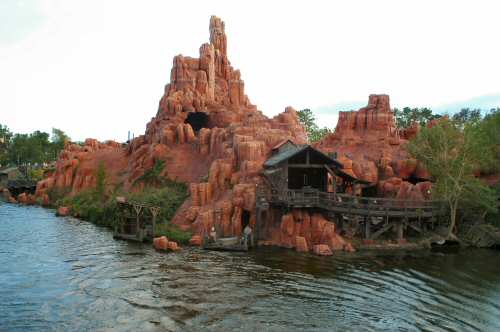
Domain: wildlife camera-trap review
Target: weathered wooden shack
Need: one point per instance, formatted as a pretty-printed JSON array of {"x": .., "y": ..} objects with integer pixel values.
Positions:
[{"x": 299, "y": 176}]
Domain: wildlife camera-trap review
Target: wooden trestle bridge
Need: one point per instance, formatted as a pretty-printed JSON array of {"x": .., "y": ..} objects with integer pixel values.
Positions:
[{"x": 372, "y": 216}]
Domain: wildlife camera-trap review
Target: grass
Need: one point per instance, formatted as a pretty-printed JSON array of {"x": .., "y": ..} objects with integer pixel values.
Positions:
[{"x": 102, "y": 209}]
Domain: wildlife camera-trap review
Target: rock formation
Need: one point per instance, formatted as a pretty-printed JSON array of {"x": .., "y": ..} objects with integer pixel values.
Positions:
[
  {"x": 207, "y": 132},
  {"x": 371, "y": 147},
  {"x": 212, "y": 137}
]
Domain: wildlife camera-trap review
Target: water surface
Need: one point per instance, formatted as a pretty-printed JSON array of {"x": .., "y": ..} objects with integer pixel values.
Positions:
[{"x": 67, "y": 274}]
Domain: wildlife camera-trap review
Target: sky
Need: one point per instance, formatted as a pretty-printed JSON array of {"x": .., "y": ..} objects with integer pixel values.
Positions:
[{"x": 98, "y": 68}]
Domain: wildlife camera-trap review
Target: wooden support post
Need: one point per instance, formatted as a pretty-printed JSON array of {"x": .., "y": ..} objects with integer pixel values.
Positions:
[
  {"x": 137, "y": 209},
  {"x": 155, "y": 211},
  {"x": 399, "y": 230},
  {"x": 367, "y": 228}
]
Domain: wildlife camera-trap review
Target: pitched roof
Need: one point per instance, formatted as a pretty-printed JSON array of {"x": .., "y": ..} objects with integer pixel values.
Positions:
[
  {"x": 277, "y": 146},
  {"x": 288, "y": 153}
]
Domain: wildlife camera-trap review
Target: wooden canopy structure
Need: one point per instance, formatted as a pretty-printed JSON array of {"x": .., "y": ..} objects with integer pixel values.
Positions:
[{"x": 303, "y": 167}]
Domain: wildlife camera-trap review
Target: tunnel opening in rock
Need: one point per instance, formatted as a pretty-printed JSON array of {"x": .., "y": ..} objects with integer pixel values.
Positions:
[{"x": 197, "y": 120}]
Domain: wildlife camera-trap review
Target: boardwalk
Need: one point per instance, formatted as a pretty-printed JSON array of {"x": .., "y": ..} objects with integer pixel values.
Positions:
[
  {"x": 353, "y": 205},
  {"x": 371, "y": 216}
]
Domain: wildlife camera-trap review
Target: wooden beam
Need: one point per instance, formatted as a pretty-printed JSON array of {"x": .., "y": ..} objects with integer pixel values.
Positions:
[
  {"x": 399, "y": 230},
  {"x": 381, "y": 231},
  {"x": 367, "y": 229},
  {"x": 418, "y": 229},
  {"x": 305, "y": 166}
]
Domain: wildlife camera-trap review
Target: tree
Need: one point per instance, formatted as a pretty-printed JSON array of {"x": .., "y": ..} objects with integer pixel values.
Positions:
[
  {"x": 490, "y": 127},
  {"x": 451, "y": 153},
  {"x": 406, "y": 116},
  {"x": 467, "y": 115},
  {"x": 59, "y": 140},
  {"x": 307, "y": 119},
  {"x": 5, "y": 136}
]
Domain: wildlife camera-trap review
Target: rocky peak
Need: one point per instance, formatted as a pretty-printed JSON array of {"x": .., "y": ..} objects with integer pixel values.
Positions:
[
  {"x": 218, "y": 35},
  {"x": 374, "y": 119}
]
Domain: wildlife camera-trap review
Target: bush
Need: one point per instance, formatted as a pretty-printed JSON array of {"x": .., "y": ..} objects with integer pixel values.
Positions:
[
  {"x": 168, "y": 198},
  {"x": 94, "y": 206},
  {"x": 87, "y": 205}
]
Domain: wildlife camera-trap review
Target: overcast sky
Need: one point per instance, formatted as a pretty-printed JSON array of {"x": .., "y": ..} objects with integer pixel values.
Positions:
[{"x": 98, "y": 68}]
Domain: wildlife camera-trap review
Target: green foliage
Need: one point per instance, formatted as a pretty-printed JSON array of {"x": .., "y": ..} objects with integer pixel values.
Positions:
[
  {"x": 23, "y": 149},
  {"x": 466, "y": 115},
  {"x": 451, "y": 152},
  {"x": 153, "y": 177},
  {"x": 5, "y": 136},
  {"x": 101, "y": 182},
  {"x": 87, "y": 205},
  {"x": 57, "y": 194},
  {"x": 36, "y": 174},
  {"x": 307, "y": 119},
  {"x": 168, "y": 198},
  {"x": 406, "y": 116},
  {"x": 93, "y": 206},
  {"x": 490, "y": 127}
]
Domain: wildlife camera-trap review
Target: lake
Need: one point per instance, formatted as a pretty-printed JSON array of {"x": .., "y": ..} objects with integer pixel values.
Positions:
[{"x": 67, "y": 274}]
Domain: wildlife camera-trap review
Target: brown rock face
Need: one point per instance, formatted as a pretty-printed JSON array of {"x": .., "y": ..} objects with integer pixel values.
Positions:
[
  {"x": 372, "y": 148},
  {"x": 63, "y": 211},
  {"x": 160, "y": 243},
  {"x": 207, "y": 132},
  {"x": 322, "y": 250},
  {"x": 303, "y": 230}
]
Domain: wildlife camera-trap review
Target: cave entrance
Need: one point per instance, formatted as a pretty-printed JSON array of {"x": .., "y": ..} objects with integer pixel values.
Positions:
[
  {"x": 414, "y": 180},
  {"x": 197, "y": 120},
  {"x": 245, "y": 219}
]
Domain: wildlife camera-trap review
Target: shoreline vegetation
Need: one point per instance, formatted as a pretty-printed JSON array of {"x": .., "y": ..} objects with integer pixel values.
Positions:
[{"x": 99, "y": 205}]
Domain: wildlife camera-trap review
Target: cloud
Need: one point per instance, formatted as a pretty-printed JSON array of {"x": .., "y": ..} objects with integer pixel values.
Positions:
[
  {"x": 18, "y": 19},
  {"x": 484, "y": 102}
]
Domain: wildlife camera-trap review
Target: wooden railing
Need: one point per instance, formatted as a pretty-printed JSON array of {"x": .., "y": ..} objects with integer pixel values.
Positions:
[{"x": 354, "y": 205}]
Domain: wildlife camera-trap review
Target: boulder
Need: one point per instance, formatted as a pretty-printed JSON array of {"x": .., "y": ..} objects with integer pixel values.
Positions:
[
  {"x": 22, "y": 198},
  {"x": 196, "y": 240},
  {"x": 301, "y": 244},
  {"x": 63, "y": 211},
  {"x": 173, "y": 246},
  {"x": 160, "y": 243},
  {"x": 322, "y": 250}
]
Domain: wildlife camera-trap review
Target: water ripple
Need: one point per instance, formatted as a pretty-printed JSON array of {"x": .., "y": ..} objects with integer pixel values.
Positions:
[{"x": 65, "y": 274}]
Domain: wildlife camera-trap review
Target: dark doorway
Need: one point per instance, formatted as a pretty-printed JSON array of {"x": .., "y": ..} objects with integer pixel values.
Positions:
[
  {"x": 299, "y": 178},
  {"x": 245, "y": 219},
  {"x": 197, "y": 120}
]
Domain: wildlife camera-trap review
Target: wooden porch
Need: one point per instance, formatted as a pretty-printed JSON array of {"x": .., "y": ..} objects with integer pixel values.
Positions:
[{"x": 370, "y": 216}]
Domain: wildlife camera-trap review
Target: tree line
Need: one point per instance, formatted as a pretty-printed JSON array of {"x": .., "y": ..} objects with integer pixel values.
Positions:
[{"x": 27, "y": 149}]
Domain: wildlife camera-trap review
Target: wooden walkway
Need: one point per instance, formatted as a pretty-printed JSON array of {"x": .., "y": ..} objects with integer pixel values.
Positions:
[{"x": 354, "y": 205}]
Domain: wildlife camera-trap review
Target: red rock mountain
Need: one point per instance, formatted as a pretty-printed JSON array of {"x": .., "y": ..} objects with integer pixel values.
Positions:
[
  {"x": 212, "y": 137},
  {"x": 370, "y": 147}
]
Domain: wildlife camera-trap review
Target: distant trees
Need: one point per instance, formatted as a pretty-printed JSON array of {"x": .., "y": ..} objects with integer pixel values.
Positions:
[
  {"x": 37, "y": 147},
  {"x": 315, "y": 133},
  {"x": 5, "y": 136},
  {"x": 406, "y": 116}
]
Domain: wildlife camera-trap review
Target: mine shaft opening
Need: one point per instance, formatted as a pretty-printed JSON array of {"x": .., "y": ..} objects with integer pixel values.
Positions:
[
  {"x": 245, "y": 219},
  {"x": 197, "y": 120}
]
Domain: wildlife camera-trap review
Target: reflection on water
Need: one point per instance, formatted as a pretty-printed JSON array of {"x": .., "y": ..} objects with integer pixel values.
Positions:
[{"x": 66, "y": 274}]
